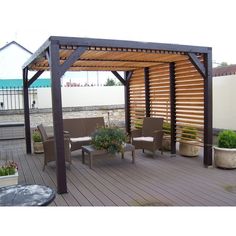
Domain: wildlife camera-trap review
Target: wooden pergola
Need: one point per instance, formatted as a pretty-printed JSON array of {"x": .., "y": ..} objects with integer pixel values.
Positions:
[{"x": 160, "y": 80}]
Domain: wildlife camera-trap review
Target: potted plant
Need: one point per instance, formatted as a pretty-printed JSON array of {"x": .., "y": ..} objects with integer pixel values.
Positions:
[
  {"x": 225, "y": 153},
  {"x": 188, "y": 142},
  {"x": 37, "y": 142},
  {"x": 111, "y": 139},
  {"x": 8, "y": 174},
  {"x": 166, "y": 143}
]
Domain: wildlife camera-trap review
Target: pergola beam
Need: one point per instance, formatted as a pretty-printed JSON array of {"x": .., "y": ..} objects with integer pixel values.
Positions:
[
  {"x": 197, "y": 63},
  {"x": 72, "y": 59},
  {"x": 91, "y": 42},
  {"x": 119, "y": 77},
  {"x": 35, "y": 77}
]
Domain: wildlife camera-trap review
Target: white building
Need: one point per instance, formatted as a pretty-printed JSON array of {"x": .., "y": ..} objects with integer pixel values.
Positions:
[{"x": 12, "y": 57}]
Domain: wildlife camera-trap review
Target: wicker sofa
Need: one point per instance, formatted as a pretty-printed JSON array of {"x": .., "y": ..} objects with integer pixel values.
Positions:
[{"x": 80, "y": 130}]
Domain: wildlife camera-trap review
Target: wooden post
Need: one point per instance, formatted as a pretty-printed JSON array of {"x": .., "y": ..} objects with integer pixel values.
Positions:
[
  {"x": 57, "y": 117},
  {"x": 173, "y": 109},
  {"x": 208, "y": 110},
  {"x": 147, "y": 91},
  {"x": 127, "y": 101},
  {"x": 26, "y": 111}
]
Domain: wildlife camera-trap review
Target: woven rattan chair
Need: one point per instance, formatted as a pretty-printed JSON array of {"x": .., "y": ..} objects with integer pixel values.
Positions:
[
  {"x": 48, "y": 146},
  {"x": 150, "y": 136}
]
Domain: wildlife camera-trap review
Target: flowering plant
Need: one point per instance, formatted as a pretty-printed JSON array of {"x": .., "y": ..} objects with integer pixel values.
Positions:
[{"x": 9, "y": 168}]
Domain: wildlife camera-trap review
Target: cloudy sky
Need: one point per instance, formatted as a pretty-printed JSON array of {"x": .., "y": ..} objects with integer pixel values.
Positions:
[{"x": 201, "y": 23}]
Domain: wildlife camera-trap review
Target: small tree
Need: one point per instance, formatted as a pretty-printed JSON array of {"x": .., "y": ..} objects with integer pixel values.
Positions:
[{"x": 110, "y": 82}]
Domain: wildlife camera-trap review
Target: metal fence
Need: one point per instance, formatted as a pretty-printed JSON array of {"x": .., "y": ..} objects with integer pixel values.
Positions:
[{"x": 12, "y": 98}]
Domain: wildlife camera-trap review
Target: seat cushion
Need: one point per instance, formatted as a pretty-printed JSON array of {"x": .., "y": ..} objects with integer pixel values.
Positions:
[
  {"x": 80, "y": 139},
  {"x": 146, "y": 139}
]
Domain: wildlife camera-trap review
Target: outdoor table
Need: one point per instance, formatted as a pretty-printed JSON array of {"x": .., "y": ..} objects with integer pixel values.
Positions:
[
  {"x": 92, "y": 151},
  {"x": 26, "y": 195}
]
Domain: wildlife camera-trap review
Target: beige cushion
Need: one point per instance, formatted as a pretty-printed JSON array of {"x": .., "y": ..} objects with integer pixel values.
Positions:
[
  {"x": 146, "y": 139},
  {"x": 80, "y": 139}
]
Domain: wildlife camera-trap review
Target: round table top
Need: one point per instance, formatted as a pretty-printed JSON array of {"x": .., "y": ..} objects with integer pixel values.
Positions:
[{"x": 26, "y": 195}]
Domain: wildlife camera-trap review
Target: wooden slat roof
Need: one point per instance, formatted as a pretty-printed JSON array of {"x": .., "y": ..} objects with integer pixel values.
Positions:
[{"x": 110, "y": 55}]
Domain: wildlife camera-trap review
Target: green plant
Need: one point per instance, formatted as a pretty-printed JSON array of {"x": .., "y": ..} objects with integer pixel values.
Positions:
[
  {"x": 227, "y": 139},
  {"x": 109, "y": 138},
  {"x": 189, "y": 133},
  {"x": 10, "y": 168},
  {"x": 36, "y": 136},
  {"x": 166, "y": 127}
]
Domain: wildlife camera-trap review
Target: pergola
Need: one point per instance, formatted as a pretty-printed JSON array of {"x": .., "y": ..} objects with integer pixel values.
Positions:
[{"x": 160, "y": 80}]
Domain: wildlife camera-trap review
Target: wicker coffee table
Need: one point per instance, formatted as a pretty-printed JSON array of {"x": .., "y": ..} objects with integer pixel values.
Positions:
[{"x": 91, "y": 151}]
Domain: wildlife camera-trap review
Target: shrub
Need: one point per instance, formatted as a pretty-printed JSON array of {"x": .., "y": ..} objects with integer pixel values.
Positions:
[
  {"x": 36, "y": 136},
  {"x": 189, "y": 133},
  {"x": 227, "y": 139},
  {"x": 9, "y": 168},
  {"x": 166, "y": 127},
  {"x": 110, "y": 139}
]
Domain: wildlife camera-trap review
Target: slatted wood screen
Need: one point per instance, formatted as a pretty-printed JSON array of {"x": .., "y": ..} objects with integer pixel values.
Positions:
[
  {"x": 159, "y": 80},
  {"x": 189, "y": 90},
  {"x": 137, "y": 98}
]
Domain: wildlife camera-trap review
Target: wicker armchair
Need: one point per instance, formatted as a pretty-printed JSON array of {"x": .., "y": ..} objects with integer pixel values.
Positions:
[
  {"x": 150, "y": 136},
  {"x": 48, "y": 146}
]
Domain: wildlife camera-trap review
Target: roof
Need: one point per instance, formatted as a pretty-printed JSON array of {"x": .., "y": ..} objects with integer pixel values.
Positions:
[
  {"x": 90, "y": 54},
  {"x": 224, "y": 70},
  {"x": 14, "y": 42},
  {"x": 18, "y": 83}
]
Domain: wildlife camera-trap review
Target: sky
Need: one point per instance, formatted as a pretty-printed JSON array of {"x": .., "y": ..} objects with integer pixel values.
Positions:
[{"x": 200, "y": 23}]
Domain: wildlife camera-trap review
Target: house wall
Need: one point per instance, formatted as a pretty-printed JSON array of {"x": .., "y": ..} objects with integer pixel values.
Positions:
[
  {"x": 83, "y": 96},
  {"x": 11, "y": 60},
  {"x": 224, "y": 99}
]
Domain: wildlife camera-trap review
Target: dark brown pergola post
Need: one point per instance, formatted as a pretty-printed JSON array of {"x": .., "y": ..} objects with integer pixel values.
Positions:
[
  {"x": 57, "y": 117},
  {"x": 173, "y": 108},
  {"x": 208, "y": 110},
  {"x": 128, "y": 75},
  {"x": 26, "y": 109},
  {"x": 147, "y": 91}
]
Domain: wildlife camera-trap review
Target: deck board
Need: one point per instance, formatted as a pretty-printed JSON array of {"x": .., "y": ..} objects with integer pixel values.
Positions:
[{"x": 162, "y": 181}]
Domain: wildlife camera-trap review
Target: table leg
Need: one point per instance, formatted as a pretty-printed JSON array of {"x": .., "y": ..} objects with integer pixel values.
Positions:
[
  {"x": 82, "y": 156},
  {"x": 133, "y": 156},
  {"x": 90, "y": 161}
]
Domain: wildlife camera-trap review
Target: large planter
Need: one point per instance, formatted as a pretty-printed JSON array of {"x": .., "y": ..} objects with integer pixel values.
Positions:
[
  {"x": 8, "y": 180},
  {"x": 166, "y": 142},
  {"x": 38, "y": 147},
  {"x": 189, "y": 149},
  {"x": 225, "y": 157}
]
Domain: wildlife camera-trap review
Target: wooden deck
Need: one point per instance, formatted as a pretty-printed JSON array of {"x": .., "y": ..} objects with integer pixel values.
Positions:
[{"x": 163, "y": 181}]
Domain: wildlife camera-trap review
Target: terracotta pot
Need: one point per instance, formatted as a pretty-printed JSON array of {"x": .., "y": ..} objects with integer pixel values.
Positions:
[
  {"x": 38, "y": 147},
  {"x": 189, "y": 149},
  {"x": 225, "y": 157}
]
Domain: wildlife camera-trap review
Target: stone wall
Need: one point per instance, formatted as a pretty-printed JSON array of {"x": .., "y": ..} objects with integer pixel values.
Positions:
[{"x": 114, "y": 115}]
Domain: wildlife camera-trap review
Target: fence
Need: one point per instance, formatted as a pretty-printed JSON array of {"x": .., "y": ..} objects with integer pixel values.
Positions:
[{"x": 12, "y": 98}]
